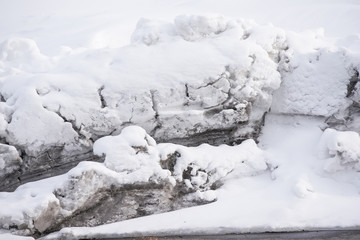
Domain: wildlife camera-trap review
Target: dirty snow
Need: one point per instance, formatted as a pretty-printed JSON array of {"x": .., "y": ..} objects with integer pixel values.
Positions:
[
  {"x": 57, "y": 57},
  {"x": 298, "y": 191},
  {"x": 131, "y": 157}
]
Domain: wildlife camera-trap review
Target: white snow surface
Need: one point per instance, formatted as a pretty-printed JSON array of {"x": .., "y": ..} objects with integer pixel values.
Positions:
[
  {"x": 340, "y": 149},
  {"x": 298, "y": 191},
  {"x": 5, "y": 235},
  {"x": 109, "y": 23},
  {"x": 55, "y": 56},
  {"x": 208, "y": 55},
  {"x": 211, "y": 57}
]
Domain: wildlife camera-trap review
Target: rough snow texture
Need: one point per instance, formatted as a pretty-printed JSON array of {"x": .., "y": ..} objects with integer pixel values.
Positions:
[
  {"x": 138, "y": 176},
  {"x": 348, "y": 117},
  {"x": 296, "y": 189},
  {"x": 340, "y": 149},
  {"x": 10, "y": 160},
  {"x": 316, "y": 81},
  {"x": 199, "y": 79}
]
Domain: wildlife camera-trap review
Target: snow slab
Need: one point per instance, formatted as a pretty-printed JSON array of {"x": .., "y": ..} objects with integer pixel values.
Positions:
[{"x": 298, "y": 193}]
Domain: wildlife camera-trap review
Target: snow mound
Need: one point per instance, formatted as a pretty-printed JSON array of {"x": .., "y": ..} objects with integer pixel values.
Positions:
[
  {"x": 199, "y": 168},
  {"x": 219, "y": 74},
  {"x": 135, "y": 168},
  {"x": 24, "y": 54},
  {"x": 193, "y": 28},
  {"x": 133, "y": 152},
  {"x": 9, "y": 159},
  {"x": 206, "y": 165},
  {"x": 297, "y": 191},
  {"x": 151, "y": 32},
  {"x": 188, "y": 27},
  {"x": 341, "y": 150},
  {"x": 199, "y": 79},
  {"x": 316, "y": 68}
]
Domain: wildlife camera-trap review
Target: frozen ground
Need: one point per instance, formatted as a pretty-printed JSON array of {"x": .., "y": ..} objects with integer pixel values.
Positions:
[{"x": 74, "y": 73}]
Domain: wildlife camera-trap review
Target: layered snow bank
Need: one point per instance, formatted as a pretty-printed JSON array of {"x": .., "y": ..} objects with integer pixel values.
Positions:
[
  {"x": 141, "y": 176},
  {"x": 297, "y": 190},
  {"x": 198, "y": 79},
  {"x": 232, "y": 65}
]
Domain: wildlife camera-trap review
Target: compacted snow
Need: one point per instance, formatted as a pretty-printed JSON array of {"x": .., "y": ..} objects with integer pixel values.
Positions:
[{"x": 109, "y": 78}]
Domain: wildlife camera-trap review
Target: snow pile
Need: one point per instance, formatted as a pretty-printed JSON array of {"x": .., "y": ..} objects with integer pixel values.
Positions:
[
  {"x": 197, "y": 79},
  {"x": 183, "y": 80},
  {"x": 224, "y": 63},
  {"x": 24, "y": 54},
  {"x": 316, "y": 68},
  {"x": 341, "y": 150},
  {"x": 9, "y": 159},
  {"x": 131, "y": 158},
  {"x": 241, "y": 89},
  {"x": 348, "y": 117},
  {"x": 206, "y": 167},
  {"x": 197, "y": 169},
  {"x": 296, "y": 190},
  {"x": 132, "y": 152},
  {"x": 41, "y": 204},
  {"x": 193, "y": 79}
]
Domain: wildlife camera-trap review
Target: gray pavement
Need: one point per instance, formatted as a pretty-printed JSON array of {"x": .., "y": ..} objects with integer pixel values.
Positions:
[{"x": 314, "y": 235}]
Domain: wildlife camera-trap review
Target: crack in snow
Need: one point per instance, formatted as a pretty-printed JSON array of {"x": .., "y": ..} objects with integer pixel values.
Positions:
[{"x": 102, "y": 99}]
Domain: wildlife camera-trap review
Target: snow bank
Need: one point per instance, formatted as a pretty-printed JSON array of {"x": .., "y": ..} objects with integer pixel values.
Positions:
[
  {"x": 181, "y": 174},
  {"x": 296, "y": 190},
  {"x": 123, "y": 88},
  {"x": 341, "y": 150},
  {"x": 198, "y": 79}
]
